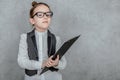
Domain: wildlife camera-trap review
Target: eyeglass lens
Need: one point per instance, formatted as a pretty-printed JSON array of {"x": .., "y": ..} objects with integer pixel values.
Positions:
[{"x": 42, "y": 14}]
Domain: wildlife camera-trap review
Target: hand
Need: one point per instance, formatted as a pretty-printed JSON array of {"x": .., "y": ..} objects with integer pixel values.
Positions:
[
  {"x": 51, "y": 63},
  {"x": 56, "y": 61}
]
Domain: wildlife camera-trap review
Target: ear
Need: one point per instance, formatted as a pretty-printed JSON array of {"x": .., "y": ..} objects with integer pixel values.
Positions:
[{"x": 32, "y": 21}]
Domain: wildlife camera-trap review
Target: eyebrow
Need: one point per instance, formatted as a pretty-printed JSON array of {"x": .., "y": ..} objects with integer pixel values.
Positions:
[{"x": 42, "y": 11}]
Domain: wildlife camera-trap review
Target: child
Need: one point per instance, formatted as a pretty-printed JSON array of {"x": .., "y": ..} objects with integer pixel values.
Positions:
[{"x": 37, "y": 47}]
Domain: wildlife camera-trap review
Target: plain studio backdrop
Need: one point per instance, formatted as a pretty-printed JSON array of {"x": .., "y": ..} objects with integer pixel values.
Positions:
[{"x": 94, "y": 56}]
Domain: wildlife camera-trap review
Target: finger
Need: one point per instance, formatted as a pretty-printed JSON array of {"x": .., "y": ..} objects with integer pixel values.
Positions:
[
  {"x": 50, "y": 60},
  {"x": 58, "y": 56},
  {"x": 49, "y": 63},
  {"x": 51, "y": 57}
]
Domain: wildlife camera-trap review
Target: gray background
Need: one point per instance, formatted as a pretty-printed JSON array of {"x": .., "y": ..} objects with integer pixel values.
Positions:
[{"x": 95, "y": 56}]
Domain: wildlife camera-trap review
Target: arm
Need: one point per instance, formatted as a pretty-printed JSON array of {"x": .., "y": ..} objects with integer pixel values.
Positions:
[{"x": 23, "y": 58}]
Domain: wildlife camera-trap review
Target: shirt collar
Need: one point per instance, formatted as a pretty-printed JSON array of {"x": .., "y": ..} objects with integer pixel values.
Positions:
[{"x": 41, "y": 33}]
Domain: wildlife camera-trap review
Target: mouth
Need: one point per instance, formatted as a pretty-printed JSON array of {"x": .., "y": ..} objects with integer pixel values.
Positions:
[{"x": 45, "y": 22}]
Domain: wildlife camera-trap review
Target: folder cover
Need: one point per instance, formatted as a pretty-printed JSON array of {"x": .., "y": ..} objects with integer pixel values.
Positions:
[{"x": 63, "y": 49}]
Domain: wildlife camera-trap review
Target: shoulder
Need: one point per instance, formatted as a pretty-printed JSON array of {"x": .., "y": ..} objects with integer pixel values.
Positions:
[
  {"x": 24, "y": 35},
  {"x": 23, "y": 42}
]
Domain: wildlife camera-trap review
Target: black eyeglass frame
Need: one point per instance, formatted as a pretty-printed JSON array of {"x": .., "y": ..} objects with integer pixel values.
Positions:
[{"x": 44, "y": 13}]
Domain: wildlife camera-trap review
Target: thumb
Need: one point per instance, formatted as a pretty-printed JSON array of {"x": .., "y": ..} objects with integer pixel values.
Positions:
[
  {"x": 57, "y": 57},
  {"x": 51, "y": 57}
]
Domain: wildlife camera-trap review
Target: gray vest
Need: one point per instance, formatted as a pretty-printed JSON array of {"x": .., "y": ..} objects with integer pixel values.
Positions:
[{"x": 33, "y": 52}]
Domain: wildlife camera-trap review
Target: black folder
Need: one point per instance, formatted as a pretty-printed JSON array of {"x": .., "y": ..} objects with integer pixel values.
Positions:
[{"x": 63, "y": 49}]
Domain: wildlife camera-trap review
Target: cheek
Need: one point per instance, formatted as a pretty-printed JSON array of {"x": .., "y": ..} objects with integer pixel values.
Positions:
[
  {"x": 49, "y": 20},
  {"x": 38, "y": 21}
]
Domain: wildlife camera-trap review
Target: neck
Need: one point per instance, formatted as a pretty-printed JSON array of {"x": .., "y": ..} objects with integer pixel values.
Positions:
[{"x": 40, "y": 30}]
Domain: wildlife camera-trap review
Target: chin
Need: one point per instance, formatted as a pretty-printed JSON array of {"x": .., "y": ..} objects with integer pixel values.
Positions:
[{"x": 45, "y": 27}]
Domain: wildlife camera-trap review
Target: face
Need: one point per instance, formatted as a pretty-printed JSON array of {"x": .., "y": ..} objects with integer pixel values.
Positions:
[{"x": 41, "y": 23}]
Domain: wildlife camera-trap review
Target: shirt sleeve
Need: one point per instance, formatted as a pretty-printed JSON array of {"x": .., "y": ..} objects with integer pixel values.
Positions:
[
  {"x": 62, "y": 62},
  {"x": 23, "y": 58}
]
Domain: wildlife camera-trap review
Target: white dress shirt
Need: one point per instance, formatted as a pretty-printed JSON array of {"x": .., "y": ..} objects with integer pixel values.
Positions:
[{"x": 24, "y": 62}]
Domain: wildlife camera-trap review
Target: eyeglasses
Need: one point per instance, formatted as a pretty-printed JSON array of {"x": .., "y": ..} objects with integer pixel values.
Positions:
[{"x": 42, "y": 14}]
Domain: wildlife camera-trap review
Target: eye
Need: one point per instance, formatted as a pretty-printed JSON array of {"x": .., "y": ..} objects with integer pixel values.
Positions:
[
  {"x": 39, "y": 14},
  {"x": 49, "y": 14}
]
